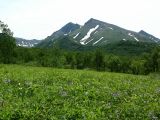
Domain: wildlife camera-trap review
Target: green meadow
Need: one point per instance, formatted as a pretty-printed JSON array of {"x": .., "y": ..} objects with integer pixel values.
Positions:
[{"x": 39, "y": 93}]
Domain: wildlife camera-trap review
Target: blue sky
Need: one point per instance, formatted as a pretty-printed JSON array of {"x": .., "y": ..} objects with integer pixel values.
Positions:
[{"x": 37, "y": 19}]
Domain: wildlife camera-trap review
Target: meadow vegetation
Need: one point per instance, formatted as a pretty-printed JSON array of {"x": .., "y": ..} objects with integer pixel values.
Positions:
[{"x": 52, "y": 94}]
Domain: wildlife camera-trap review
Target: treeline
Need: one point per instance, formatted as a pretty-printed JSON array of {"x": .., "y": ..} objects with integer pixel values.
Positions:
[{"x": 95, "y": 60}]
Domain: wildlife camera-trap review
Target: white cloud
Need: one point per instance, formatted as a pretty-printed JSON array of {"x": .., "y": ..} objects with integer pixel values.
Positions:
[{"x": 39, "y": 18}]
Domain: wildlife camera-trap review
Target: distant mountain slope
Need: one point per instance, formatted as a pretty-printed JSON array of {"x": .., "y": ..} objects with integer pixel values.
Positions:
[
  {"x": 128, "y": 48},
  {"x": 64, "y": 31},
  {"x": 96, "y": 33},
  {"x": 26, "y": 43},
  {"x": 147, "y": 35}
]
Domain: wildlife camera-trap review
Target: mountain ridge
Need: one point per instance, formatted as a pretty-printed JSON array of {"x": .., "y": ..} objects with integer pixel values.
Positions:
[
  {"x": 26, "y": 43},
  {"x": 96, "y": 33}
]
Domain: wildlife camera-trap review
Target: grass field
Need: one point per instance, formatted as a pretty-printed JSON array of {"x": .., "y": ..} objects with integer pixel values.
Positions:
[{"x": 60, "y": 94}]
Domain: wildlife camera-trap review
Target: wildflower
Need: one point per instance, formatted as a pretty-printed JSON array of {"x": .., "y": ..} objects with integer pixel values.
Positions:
[
  {"x": 63, "y": 93},
  {"x": 158, "y": 90},
  {"x": 28, "y": 84},
  {"x": 70, "y": 82},
  {"x": 86, "y": 93},
  {"x": 116, "y": 94},
  {"x": 7, "y": 81},
  {"x": 152, "y": 116}
]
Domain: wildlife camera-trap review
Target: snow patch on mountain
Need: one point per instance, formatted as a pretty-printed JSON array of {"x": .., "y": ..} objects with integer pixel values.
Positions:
[
  {"x": 76, "y": 35},
  {"x": 96, "y": 32},
  {"x": 98, "y": 41},
  {"x": 89, "y": 41},
  {"x": 26, "y": 43},
  {"x": 110, "y": 28},
  {"x": 69, "y": 32},
  {"x": 153, "y": 39},
  {"x": 82, "y": 41},
  {"x": 136, "y": 39},
  {"x": 130, "y": 34}
]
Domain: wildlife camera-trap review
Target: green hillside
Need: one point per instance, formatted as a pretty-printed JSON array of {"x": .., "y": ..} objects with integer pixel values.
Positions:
[
  {"x": 58, "y": 94},
  {"x": 120, "y": 48}
]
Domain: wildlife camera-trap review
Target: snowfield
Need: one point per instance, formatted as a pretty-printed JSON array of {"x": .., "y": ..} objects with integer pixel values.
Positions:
[
  {"x": 98, "y": 40},
  {"x": 130, "y": 34},
  {"x": 76, "y": 35},
  {"x": 83, "y": 40}
]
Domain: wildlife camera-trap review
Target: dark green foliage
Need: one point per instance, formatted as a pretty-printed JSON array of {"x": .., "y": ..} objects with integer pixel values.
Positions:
[
  {"x": 24, "y": 55},
  {"x": 79, "y": 60},
  {"x": 114, "y": 64},
  {"x": 155, "y": 57},
  {"x": 125, "y": 48},
  {"x": 7, "y": 45},
  {"x": 137, "y": 67},
  {"x": 129, "y": 48},
  {"x": 99, "y": 60},
  {"x": 4, "y": 28}
]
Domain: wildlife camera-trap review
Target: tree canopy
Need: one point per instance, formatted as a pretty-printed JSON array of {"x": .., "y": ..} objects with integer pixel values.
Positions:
[{"x": 4, "y": 29}]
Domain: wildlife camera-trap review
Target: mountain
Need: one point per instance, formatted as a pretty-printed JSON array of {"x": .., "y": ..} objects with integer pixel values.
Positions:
[
  {"x": 98, "y": 33},
  {"x": 64, "y": 31},
  {"x": 95, "y": 33},
  {"x": 145, "y": 34},
  {"x": 26, "y": 43}
]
